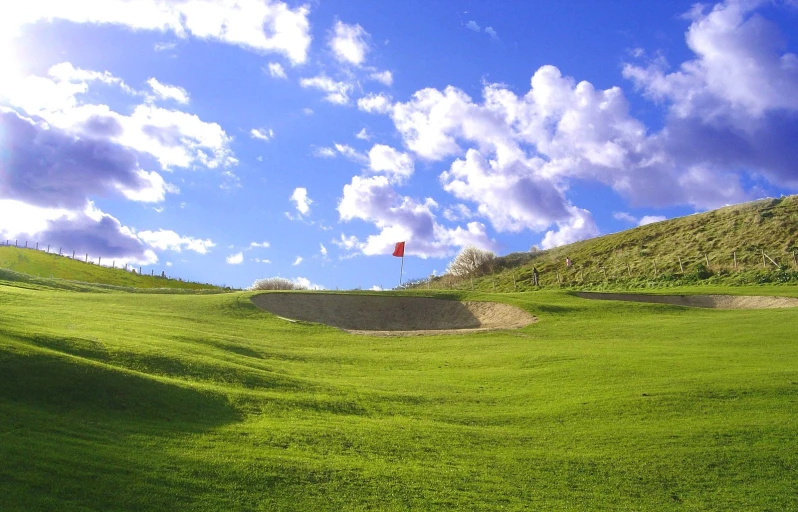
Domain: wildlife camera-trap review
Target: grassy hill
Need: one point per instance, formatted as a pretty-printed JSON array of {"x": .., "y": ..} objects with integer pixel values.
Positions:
[
  {"x": 696, "y": 249},
  {"x": 49, "y": 270},
  {"x": 117, "y": 402}
]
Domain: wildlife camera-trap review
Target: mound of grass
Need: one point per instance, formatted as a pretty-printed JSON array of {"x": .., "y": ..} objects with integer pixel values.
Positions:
[
  {"x": 40, "y": 264},
  {"x": 751, "y": 243},
  {"x": 117, "y": 401}
]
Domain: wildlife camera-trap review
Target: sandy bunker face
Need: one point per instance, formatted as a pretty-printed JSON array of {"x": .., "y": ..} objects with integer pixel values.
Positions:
[
  {"x": 393, "y": 315},
  {"x": 700, "y": 301}
]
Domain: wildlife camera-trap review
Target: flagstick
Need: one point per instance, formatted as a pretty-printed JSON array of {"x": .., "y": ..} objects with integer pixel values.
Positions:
[{"x": 402, "y": 269}]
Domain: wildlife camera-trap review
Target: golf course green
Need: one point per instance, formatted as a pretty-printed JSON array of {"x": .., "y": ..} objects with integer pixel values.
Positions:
[{"x": 136, "y": 401}]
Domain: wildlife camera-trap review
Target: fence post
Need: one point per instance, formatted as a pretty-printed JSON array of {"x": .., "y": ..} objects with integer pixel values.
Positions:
[
  {"x": 514, "y": 288},
  {"x": 37, "y": 246},
  {"x": 735, "y": 260},
  {"x": 763, "y": 258},
  {"x": 655, "y": 269},
  {"x": 73, "y": 255},
  {"x": 15, "y": 243},
  {"x": 113, "y": 264},
  {"x": 26, "y": 244},
  {"x": 629, "y": 269},
  {"x": 794, "y": 262},
  {"x": 99, "y": 260},
  {"x": 87, "y": 257},
  {"x": 604, "y": 271},
  {"x": 59, "y": 251},
  {"x": 681, "y": 267},
  {"x": 48, "y": 248},
  {"x": 707, "y": 259}
]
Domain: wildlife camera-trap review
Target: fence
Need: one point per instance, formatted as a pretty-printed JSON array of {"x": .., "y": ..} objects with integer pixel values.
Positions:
[
  {"x": 82, "y": 257},
  {"x": 616, "y": 270}
]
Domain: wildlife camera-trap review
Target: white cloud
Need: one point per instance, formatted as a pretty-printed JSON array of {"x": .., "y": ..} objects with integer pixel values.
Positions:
[
  {"x": 307, "y": 111},
  {"x": 351, "y": 153},
  {"x": 264, "y": 245},
  {"x": 235, "y": 259},
  {"x": 301, "y": 200},
  {"x": 398, "y": 218},
  {"x": 492, "y": 33},
  {"x": 349, "y": 43},
  {"x": 650, "y": 219},
  {"x": 168, "y": 240},
  {"x": 168, "y": 92},
  {"x": 251, "y": 24},
  {"x": 258, "y": 260},
  {"x": 580, "y": 226},
  {"x": 262, "y": 134},
  {"x": 337, "y": 92},
  {"x": 375, "y": 288},
  {"x": 363, "y": 135},
  {"x": 472, "y": 25},
  {"x": 164, "y": 46},
  {"x": 298, "y": 260},
  {"x": 740, "y": 66},
  {"x": 152, "y": 188},
  {"x": 375, "y": 103},
  {"x": 323, "y": 250},
  {"x": 457, "y": 212},
  {"x": 276, "y": 70},
  {"x": 398, "y": 165},
  {"x": 383, "y": 77},
  {"x": 305, "y": 283},
  {"x": 624, "y": 217},
  {"x": 168, "y": 263},
  {"x": 324, "y": 152}
]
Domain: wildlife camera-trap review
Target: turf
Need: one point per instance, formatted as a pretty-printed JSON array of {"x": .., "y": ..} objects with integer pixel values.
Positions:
[
  {"x": 747, "y": 244},
  {"x": 119, "y": 401},
  {"x": 46, "y": 265}
]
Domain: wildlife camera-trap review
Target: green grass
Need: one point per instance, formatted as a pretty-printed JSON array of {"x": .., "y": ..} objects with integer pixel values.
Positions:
[
  {"x": 649, "y": 256},
  {"x": 119, "y": 401},
  {"x": 43, "y": 265}
]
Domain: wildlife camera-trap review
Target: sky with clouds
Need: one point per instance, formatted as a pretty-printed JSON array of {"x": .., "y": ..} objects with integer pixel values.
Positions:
[{"x": 226, "y": 141}]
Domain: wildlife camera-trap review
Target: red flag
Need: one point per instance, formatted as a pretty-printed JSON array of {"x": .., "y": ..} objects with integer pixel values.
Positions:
[{"x": 399, "y": 250}]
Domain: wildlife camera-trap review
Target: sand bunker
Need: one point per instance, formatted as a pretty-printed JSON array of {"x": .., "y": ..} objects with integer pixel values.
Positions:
[
  {"x": 386, "y": 315},
  {"x": 700, "y": 301}
]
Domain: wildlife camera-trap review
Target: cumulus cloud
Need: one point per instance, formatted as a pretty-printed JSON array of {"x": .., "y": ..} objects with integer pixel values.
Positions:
[
  {"x": 472, "y": 25},
  {"x": 324, "y": 152},
  {"x": 363, "y": 135},
  {"x": 373, "y": 199},
  {"x": 383, "y": 77},
  {"x": 297, "y": 261},
  {"x": 85, "y": 231},
  {"x": 49, "y": 167},
  {"x": 301, "y": 200},
  {"x": 375, "y": 103},
  {"x": 264, "y": 245},
  {"x": 168, "y": 240},
  {"x": 579, "y": 226},
  {"x": 397, "y": 165},
  {"x": 349, "y": 43},
  {"x": 323, "y": 250},
  {"x": 336, "y": 92},
  {"x": 168, "y": 92},
  {"x": 650, "y": 219},
  {"x": 306, "y": 283},
  {"x": 235, "y": 259},
  {"x": 626, "y": 217},
  {"x": 262, "y": 134},
  {"x": 276, "y": 70},
  {"x": 256, "y": 25}
]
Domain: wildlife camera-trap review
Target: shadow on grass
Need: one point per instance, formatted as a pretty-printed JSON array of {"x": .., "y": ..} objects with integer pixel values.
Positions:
[{"x": 62, "y": 385}]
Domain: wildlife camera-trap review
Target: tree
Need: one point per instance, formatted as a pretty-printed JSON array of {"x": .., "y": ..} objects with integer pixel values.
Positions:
[{"x": 471, "y": 261}]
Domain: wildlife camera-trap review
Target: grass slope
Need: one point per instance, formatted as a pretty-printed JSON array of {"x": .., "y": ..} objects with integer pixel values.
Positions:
[
  {"x": 649, "y": 256},
  {"x": 31, "y": 262},
  {"x": 117, "y": 401}
]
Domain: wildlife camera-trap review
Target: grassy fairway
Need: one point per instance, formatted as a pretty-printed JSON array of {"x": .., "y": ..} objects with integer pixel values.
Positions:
[{"x": 120, "y": 401}]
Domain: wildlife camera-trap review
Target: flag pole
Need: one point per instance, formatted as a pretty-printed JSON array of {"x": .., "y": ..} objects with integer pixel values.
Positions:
[{"x": 401, "y": 269}]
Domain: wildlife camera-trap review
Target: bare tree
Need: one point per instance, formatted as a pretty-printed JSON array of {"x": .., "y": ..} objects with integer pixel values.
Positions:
[
  {"x": 471, "y": 261},
  {"x": 276, "y": 283}
]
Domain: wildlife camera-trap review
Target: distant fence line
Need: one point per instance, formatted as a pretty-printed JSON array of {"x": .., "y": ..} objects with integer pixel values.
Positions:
[{"x": 86, "y": 259}]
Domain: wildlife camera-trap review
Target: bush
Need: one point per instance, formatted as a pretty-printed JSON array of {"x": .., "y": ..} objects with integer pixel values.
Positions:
[
  {"x": 276, "y": 283},
  {"x": 471, "y": 261}
]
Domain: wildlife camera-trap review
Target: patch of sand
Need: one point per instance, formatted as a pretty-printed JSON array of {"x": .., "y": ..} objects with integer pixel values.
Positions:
[
  {"x": 393, "y": 316},
  {"x": 700, "y": 301}
]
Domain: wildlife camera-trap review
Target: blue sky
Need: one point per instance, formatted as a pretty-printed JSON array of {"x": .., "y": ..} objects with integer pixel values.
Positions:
[{"x": 226, "y": 141}]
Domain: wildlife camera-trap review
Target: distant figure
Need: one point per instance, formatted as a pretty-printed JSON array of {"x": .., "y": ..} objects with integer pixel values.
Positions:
[
  {"x": 535, "y": 276},
  {"x": 163, "y": 273},
  {"x": 567, "y": 262}
]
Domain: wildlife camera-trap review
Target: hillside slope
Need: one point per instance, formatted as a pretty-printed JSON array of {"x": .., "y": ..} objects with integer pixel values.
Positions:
[
  {"x": 723, "y": 246},
  {"x": 40, "y": 264}
]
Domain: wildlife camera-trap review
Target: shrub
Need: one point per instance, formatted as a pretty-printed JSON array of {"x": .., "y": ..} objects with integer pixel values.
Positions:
[
  {"x": 470, "y": 261},
  {"x": 276, "y": 283}
]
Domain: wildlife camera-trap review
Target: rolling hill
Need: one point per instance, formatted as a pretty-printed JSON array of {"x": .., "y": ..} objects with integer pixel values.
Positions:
[
  {"x": 48, "y": 270},
  {"x": 750, "y": 243}
]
